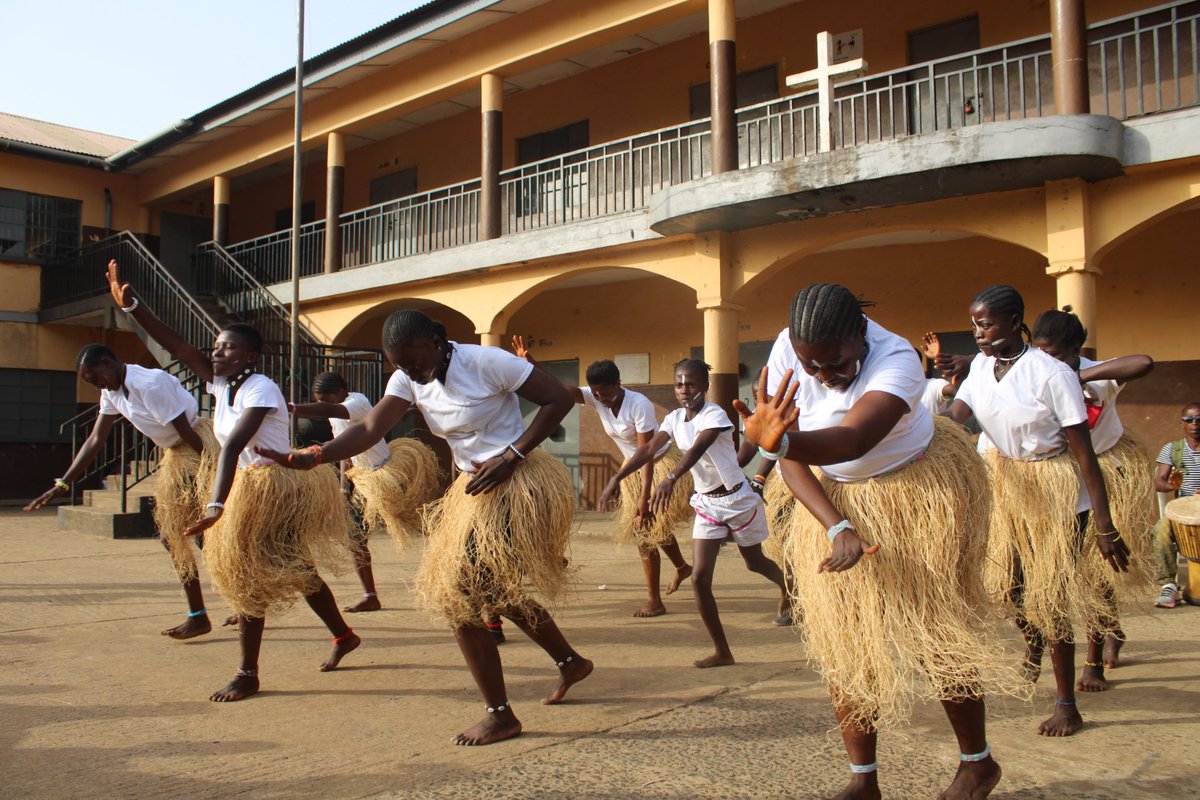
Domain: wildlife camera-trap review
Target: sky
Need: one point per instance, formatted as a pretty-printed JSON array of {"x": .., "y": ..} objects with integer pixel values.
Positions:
[{"x": 133, "y": 67}]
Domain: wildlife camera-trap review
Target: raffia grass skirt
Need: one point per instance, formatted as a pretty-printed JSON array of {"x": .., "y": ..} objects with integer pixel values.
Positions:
[
  {"x": 278, "y": 526},
  {"x": 499, "y": 551},
  {"x": 390, "y": 497},
  {"x": 1129, "y": 478},
  {"x": 781, "y": 505},
  {"x": 1036, "y": 545},
  {"x": 910, "y": 622},
  {"x": 678, "y": 509},
  {"x": 181, "y": 492}
]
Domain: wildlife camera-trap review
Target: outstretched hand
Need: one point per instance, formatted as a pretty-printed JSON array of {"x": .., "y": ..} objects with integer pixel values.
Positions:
[
  {"x": 209, "y": 519},
  {"x": 122, "y": 294},
  {"x": 848, "y": 549},
  {"x": 931, "y": 346},
  {"x": 771, "y": 419},
  {"x": 292, "y": 459},
  {"x": 611, "y": 492},
  {"x": 45, "y": 497},
  {"x": 518, "y": 345}
]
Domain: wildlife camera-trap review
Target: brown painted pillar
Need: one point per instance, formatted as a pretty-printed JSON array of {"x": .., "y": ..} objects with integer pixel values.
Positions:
[
  {"x": 721, "y": 353},
  {"x": 722, "y": 55},
  {"x": 491, "y": 154},
  {"x": 1068, "y": 56},
  {"x": 335, "y": 182},
  {"x": 220, "y": 233}
]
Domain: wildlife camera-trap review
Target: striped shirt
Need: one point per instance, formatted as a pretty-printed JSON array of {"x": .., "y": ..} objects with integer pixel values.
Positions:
[{"x": 1191, "y": 468}]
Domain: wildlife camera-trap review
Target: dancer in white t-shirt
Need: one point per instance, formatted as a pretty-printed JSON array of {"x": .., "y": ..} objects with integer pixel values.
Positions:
[
  {"x": 392, "y": 481},
  {"x": 268, "y": 528},
  {"x": 1045, "y": 480},
  {"x": 904, "y": 624},
  {"x": 1128, "y": 477},
  {"x": 628, "y": 419},
  {"x": 157, "y": 405},
  {"x": 724, "y": 504}
]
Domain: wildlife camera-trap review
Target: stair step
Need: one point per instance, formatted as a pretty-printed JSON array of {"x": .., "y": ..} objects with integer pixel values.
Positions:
[
  {"x": 110, "y": 500},
  {"x": 110, "y": 525}
]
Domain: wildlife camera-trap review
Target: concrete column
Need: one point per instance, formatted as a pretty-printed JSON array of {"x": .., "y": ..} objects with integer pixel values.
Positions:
[
  {"x": 721, "y": 353},
  {"x": 1068, "y": 250},
  {"x": 491, "y": 155},
  {"x": 722, "y": 55},
  {"x": 491, "y": 338},
  {"x": 1068, "y": 56},
  {"x": 335, "y": 182},
  {"x": 220, "y": 232}
]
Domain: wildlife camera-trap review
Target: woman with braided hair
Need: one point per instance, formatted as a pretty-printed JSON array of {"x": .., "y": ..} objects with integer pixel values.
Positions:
[
  {"x": 1128, "y": 477},
  {"x": 392, "y": 481},
  {"x": 909, "y": 491},
  {"x": 497, "y": 538},
  {"x": 1045, "y": 480}
]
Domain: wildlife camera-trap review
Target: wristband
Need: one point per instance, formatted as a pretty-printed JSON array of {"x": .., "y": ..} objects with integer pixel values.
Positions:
[
  {"x": 59, "y": 483},
  {"x": 672, "y": 477},
  {"x": 130, "y": 308},
  {"x": 760, "y": 478},
  {"x": 844, "y": 525},
  {"x": 215, "y": 504},
  {"x": 778, "y": 454},
  {"x": 516, "y": 452}
]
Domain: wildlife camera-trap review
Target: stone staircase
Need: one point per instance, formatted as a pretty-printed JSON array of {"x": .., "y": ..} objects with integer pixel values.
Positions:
[{"x": 100, "y": 513}]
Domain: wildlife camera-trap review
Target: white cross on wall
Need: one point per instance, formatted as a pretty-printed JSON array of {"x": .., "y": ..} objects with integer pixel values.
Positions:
[{"x": 823, "y": 76}]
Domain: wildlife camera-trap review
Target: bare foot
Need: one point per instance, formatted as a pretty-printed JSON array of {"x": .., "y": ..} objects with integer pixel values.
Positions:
[
  {"x": 494, "y": 727},
  {"x": 232, "y": 619},
  {"x": 1091, "y": 680},
  {"x": 190, "y": 629},
  {"x": 570, "y": 674},
  {"x": 1113, "y": 643},
  {"x": 1031, "y": 667},
  {"x": 974, "y": 780},
  {"x": 367, "y": 603},
  {"x": 715, "y": 660},
  {"x": 241, "y": 687},
  {"x": 1063, "y": 722},
  {"x": 681, "y": 575},
  {"x": 650, "y": 610},
  {"x": 861, "y": 787},
  {"x": 347, "y": 645}
]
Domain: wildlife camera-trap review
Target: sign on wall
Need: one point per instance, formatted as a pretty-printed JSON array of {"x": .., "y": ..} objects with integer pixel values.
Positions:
[{"x": 634, "y": 367}]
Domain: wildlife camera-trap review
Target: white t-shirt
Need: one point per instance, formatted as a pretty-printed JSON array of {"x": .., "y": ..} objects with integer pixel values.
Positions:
[
  {"x": 358, "y": 405},
  {"x": 781, "y": 359},
  {"x": 1108, "y": 429},
  {"x": 636, "y": 416},
  {"x": 891, "y": 366},
  {"x": 476, "y": 410},
  {"x": 932, "y": 398},
  {"x": 258, "y": 391},
  {"x": 150, "y": 400},
  {"x": 1024, "y": 413},
  {"x": 719, "y": 465}
]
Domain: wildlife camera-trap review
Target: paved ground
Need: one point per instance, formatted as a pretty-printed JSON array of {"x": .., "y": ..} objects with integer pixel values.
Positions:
[{"x": 94, "y": 703}]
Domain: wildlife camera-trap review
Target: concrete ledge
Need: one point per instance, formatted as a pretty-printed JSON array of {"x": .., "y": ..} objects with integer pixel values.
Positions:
[
  {"x": 993, "y": 157},
  {"x": 109, "y": 524},
  {"x": 1162, "y": 137}
]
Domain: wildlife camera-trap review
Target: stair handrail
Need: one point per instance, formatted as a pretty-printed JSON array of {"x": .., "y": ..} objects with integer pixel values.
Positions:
[{"x": 248, "y": 287}]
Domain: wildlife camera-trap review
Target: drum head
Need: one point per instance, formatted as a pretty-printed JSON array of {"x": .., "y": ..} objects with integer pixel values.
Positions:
[{"x": 1184, "y": 510}]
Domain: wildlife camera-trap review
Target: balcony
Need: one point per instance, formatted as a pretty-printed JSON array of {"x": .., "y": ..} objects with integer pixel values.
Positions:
[{"x": 998, "y": 101}]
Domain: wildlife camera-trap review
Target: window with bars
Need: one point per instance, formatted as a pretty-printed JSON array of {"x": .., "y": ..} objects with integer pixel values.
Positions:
[
  {"x": 38, "y": 227},
  {"x": 34, "y": 403}
]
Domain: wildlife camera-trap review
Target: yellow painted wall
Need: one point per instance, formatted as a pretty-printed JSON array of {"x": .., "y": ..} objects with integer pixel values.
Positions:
[
  {"x": 22, "y": 287},
  {"x": 78, "y": 183},
  {"x": 55, "y": 347},
  {"x": 252, "y": 209}
]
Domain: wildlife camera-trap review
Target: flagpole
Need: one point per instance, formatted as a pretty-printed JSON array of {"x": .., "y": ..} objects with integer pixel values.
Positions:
[{"x": 296, "y": 204}]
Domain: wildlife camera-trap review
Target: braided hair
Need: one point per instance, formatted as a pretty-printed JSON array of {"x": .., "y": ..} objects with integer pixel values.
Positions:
[
  {"x": 1062, "y": 328},
  {"x": 405, "y": 325},
  {"x": 1004, "y": 300},
  {"x": 91, "y": 354},
  {"x": 603, "y": 373},
  {"x": 824, "y": 312},
  {"x": 328, "y": 383},
  {"x": 696, "y": 365}
]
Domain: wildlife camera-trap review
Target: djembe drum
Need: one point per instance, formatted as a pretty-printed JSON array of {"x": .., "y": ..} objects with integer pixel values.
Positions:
[{"x": 1184, "y": 515}]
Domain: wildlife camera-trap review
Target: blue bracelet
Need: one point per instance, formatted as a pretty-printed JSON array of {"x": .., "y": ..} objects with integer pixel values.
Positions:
[
  {"x": 778, "y": 454},
  {"x": 201, "y": 613}
]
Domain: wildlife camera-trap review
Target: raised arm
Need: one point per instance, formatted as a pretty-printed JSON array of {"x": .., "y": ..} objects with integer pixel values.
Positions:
[
  {"x": 87, "y": 453},
  {"x": 1122, "y": 369},
  {"x": 522, "y": 351},
  {"x": 197, "y": 361}
]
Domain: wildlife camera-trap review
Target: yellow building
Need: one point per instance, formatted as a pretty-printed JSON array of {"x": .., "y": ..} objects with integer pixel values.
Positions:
[{"x": 653, "y": 178}]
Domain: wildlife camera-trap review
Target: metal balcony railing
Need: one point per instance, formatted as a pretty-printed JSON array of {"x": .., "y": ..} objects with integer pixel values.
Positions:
[
  {"x": 269, "y": 258},
  {"x": 1140, "y": 64}
]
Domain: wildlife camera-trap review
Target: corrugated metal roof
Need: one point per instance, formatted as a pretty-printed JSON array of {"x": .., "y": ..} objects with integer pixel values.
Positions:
[{"x": 60, "y": 137}]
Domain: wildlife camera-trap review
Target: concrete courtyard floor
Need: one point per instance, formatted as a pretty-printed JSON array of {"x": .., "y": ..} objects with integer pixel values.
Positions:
[{"x": 95, "y": 703}]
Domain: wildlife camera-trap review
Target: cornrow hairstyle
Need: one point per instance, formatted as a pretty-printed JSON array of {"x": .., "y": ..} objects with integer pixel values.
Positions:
[
  {"x": 1004, "y": 299},
  {"x": 328, "y": 382},
  {"x": 91, "y": 354},
  {"x": 247, "y": 333},
  {"x": 1061, "y": 328},
  {"x": 825, "y": 312},
  {"x": 694, "y": 364},
  {"x": 405, "y": 325},
  {"x": 603, "y": 373}
]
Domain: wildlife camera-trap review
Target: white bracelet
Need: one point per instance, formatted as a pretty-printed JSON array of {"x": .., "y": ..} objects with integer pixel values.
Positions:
[
  {"x": 215, "y": 504},
  {"x": 518, "y": 453},
  {"x": 130, "y": 308},
  {"x": 778, "y": 454},
  {"x": 844, "y": 525}
]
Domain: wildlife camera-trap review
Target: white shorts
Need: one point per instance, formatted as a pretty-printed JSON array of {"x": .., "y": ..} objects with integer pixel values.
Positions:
[{"x": 741, "y": 513}]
